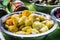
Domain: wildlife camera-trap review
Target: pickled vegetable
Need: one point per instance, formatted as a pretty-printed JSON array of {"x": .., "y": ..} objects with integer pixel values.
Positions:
[
  {"x": 44, "y": 29},
  {"x": 26, "y": 13},
  {"x": 22, "y": 20},
  {"x": 13, "y": 29},
  {"x": 48, "y": 23},
  {"x": 28, "y": 22},
  {"x": 27, "y": 29},
  {"x": 35, "y": 31}
]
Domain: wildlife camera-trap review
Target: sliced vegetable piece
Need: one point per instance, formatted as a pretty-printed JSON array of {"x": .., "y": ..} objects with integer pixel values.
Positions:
[
  {"x": 13, "y": 29},
  {"x": 28, "y": 22},
  {"x": 35, "y": 31},
  {"x": 15, "y": 19},
  {"x": 37, "y": 25},
  {"x": 9, "y": 22},
  {"x": 44, "y": 29},
  {"x": 22, "y": 20},
  {"x": 26, "y": 13},
  {"x": 49, "y": 23},
  {"x": 27, "y": 30},
  {"x": 42, "y": 18}
]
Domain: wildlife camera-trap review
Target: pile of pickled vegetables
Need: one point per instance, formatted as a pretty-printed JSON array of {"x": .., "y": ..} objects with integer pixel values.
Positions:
[{"x": 28, "y": 23}]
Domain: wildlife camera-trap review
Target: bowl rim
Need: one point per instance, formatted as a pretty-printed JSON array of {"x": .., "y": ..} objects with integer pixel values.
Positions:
[
  {"x": 47, "y": 5},
  {"x": 53, "y": 16},
  {"x": 36, "y": 35}
]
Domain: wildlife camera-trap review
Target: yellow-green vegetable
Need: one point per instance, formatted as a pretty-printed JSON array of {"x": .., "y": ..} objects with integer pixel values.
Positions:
[
  {"x": 28, "y": 22},
  {"x": 44, "y": 29},
  {"x": 37, "y": 25},
  {"x": 22, "y": 20},
  {"x": 13, "y": 29}
]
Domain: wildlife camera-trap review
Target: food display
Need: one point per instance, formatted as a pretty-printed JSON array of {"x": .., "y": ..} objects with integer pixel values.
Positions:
[
  {"x": 28, "y": 22},
  {"x": 46, "y": 2}
]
